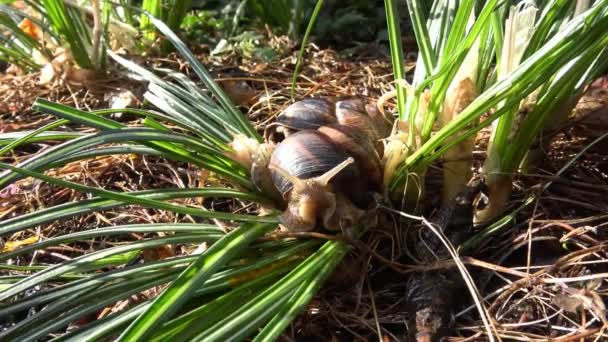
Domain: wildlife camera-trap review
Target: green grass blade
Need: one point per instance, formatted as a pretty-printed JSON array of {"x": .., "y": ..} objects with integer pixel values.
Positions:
[
  {"x": 460, "y": 43},
  {"x": 575, "y": 38},
  {"x": 185, "y": 327},
  {"x": 86, "y": 261},
  {"x": 67, "y": 210},
  {"x": 196, "y": 274},
  {"x": 311, "y": 24},
  {"x": 95, "y": 120},
  {"x": 74, "y": 299},
  {"x": 69, "y": 23},
  {"x": 139, "y": 200},
  {"x": 40, "y": 325},
  {"x": 261, "y": 308},
  {"x": 101, "y": 328},
  {"x": 233, "y": 114},
  {"x": 210, "y": 231},
  {"x": 10, "y": 137},
  {"x": 201, "y": 153},
  {"x": 297, "y": 303},
  {"x": 108, "y": 151},
  {"x": 27, "y": 137},
  {"x": 74, "y": 115},
  {"x": 197, "y": 111},
  {"x": 13, "y": 54},
  {"x": 398, "y": 62},
  {"x": 422, "y": 34},
  {"x": 154, "y": 7}
]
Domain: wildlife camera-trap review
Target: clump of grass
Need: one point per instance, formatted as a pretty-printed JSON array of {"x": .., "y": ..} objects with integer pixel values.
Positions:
[
  {"x": 171, "y": 12},
  {"x": 268, "y": 285},
  {"x": 541, "y": 78},
  {"x": 42, "y": 28},
  {"x": 236, "y": 286}
]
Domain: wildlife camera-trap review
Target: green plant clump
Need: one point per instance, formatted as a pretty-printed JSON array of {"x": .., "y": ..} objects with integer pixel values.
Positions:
[{"x": 240, "y": 286}]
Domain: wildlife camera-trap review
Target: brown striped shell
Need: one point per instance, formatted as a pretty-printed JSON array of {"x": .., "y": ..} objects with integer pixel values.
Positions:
[
  {"x": 316, "y": 112},
  {"x": 318, "y": 136}
]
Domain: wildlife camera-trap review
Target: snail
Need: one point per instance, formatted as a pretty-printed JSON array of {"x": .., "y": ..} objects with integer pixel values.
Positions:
[
  {"x": 316, "y": 112},
  {"x": 322, "y": 161}
]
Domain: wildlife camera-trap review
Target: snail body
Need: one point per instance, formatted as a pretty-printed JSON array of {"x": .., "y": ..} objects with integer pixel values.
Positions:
[{"x": 325, "y": 166}]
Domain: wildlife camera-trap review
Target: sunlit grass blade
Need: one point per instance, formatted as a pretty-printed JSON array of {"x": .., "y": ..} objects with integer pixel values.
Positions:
[
  {"x": 126, "y": 198},
  {"x": 95, "y": 119},
  {"x": 212, "y": 158},
  {"x": 188, "y": 105},
  {"x": 575, "y": 38},
  {"x": 196, "y": 274},
  {"x": 67, "y": 210},
  {"x": 311, "y": 24},
  {"x": 232, "y": 113},
  {"x": 71, "y": 283},
  {"x": 200, "y": 153},
  {"x": 34, "y": 136},
  {"x": 154, "y": 7},
  {"x": 172, "y": 12},
  {"x": 429, "y": 57},
  {"x": 115, "y": 151},
  {"x": 184, "y": 327},
  {"x": 242, "y": 278},
  {"x": 297, "y": 303},
  {"x": 86, "y": 262},
  {"x": 101, "y": 328},
  {"x": 398, "y": 62},
  {"x": 460, "y": 42},
  {"x": 92, "y": 302},
  {"x": 69, "y": 24},
  {"x": 31, "y": 135},
  {"x": 516, "y": 129},
  {"x": 205, "y": 229},
  {"x": 71, "y": 299},
  {"x": 261, "y": 308}
]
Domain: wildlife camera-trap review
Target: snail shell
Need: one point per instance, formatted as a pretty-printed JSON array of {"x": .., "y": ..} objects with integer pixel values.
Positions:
[
  {"x": 301, "y": 115},
  {"x": 318, "y": 112},
  {"x": 357, "y": 145},
  {"x": 309, "y": 154},
  {"x": 327, "y": 168},
  {"x": 355, "y": 112}
]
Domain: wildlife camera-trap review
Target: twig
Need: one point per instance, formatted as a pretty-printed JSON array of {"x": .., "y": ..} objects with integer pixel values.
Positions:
[{"x": 463, "y": 271}]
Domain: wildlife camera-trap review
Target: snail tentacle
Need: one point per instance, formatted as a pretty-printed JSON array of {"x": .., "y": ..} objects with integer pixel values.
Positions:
[{"x": 327, "y": 176}]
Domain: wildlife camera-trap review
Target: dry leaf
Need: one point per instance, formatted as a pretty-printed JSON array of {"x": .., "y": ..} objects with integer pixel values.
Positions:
[
  {"x": 240, "y": 92},
  {"x": 29, "y": 28},
  {"x": 576, "y": 299},
  {"x": 9, "y": 191},
  {"x": 567, "y": 303},
  {"x": 12, "y": 245},
  {"x": 158, "y": 253}
]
